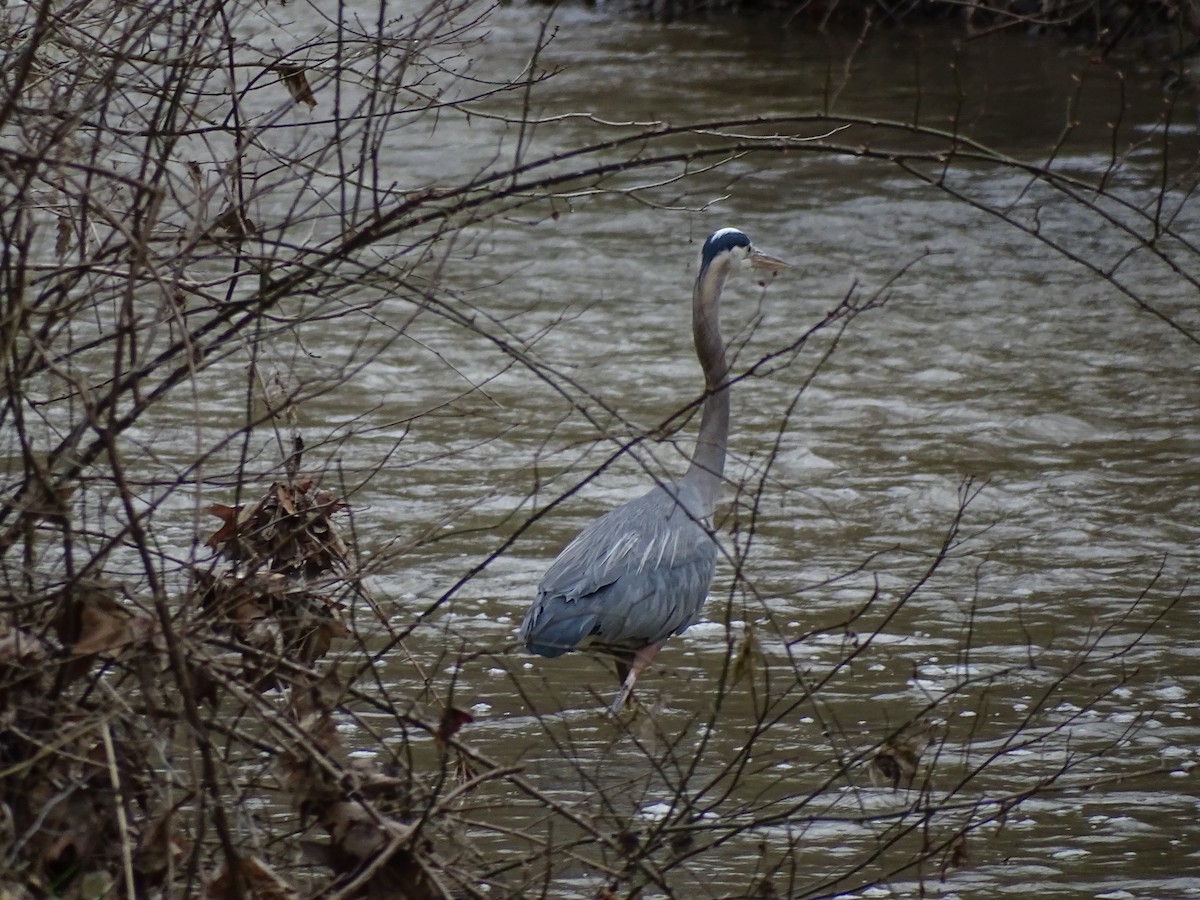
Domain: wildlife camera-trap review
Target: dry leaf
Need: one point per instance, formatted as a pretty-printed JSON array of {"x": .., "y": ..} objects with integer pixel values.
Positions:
[
  {"x": 898, "y": 760},
  {"x": 21, "y": 648},
  {"x": 161, "y": 848},
  {"x": 235, "y": 222},
  {"x": 452, "y": 720},
  {"x": 62, "y": 241},
  {"x": 195, "y": 174},
  {"x": 318, "y": 853},
  {"x": 264, "y": 883},
  {"x": 229, "y": 519},
  {"x": 107, "y": 627},
  {"x": 957, "y": 857},
  {"x": 296, "y": 82},
  {"x": 285, "y": 499},
  {"x": 743, "y": 663},
  {"x": 289, "y": 528}
]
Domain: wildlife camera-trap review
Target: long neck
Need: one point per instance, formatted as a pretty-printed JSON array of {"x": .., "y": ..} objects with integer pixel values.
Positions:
[{"x": 708, "y": 462}]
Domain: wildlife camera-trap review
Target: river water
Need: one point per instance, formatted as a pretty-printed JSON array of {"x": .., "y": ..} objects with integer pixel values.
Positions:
[
  {"x": 994, "y": 376},
  {"x": 996, "y": 371}
]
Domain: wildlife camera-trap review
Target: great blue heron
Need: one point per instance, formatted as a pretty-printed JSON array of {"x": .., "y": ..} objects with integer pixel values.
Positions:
[{"x": 641, "y": 572}]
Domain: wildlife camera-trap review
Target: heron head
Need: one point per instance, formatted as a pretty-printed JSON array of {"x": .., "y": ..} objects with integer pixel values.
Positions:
[{"x": 737, "y": 245}]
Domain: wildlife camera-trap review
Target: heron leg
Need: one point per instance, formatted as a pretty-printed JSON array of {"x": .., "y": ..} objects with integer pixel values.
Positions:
[
  {"x": 622, "y": 660},
  {"x": 640, "y": 660}
]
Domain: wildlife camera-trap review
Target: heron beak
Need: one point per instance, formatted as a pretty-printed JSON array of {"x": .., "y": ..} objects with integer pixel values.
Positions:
[{"x": 760, "y": 260}]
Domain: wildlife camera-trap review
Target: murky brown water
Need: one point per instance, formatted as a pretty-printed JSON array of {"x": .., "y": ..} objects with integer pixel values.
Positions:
[{"x": 993, "y": 359}]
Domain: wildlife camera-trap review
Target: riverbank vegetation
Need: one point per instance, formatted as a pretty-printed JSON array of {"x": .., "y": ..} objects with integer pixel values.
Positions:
[
  {"x": 1106, "y": 23},
  {"x": 203, "y": 689}
]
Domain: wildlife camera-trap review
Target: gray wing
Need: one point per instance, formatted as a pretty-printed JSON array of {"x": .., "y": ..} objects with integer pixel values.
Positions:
[{"x": 635, "y": 576}]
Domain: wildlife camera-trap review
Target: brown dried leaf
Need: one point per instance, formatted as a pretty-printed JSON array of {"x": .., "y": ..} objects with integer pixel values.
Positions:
[
  {"x": 21, "y": 648},
  {"x": 319, "y": 854},
  {"x": 373, "y": 783},
  {"x": 296, "y": 82},
  {"x": 315, "y": 645},
  {"x": 285, "y": 499},
  {"x": 288, "y": 528},
  {"x": 240, "y": 604},
  {"x": 62, "y": 242},
  {"x": 160, "y": 848},
  {"x": 353, "y": 830},
  {"x": 235, "y": 222},
  {"x": 308, "y": 783},
  {"x": 358, "y": 835},
  {"x": 264, "y": 883},
  {"x": 743, "y": 663},
  {"x": 229, "y": 516},
  {"x": 107, "y": 627},
  {"x": 266, "y": 635},
  {"x": 453, "y": 719},
  {"x": 205, "y": 687},
  {"x": 324, "y": 694},
  {"x": 956, "y": 857},
  {"x": 72, "y": 841},
  {"x": 311, "y": 709},
  {"x": 18, "y": 892},
  {"x": 195, "y": 175},
  {"x": 899, "y": 760}
]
